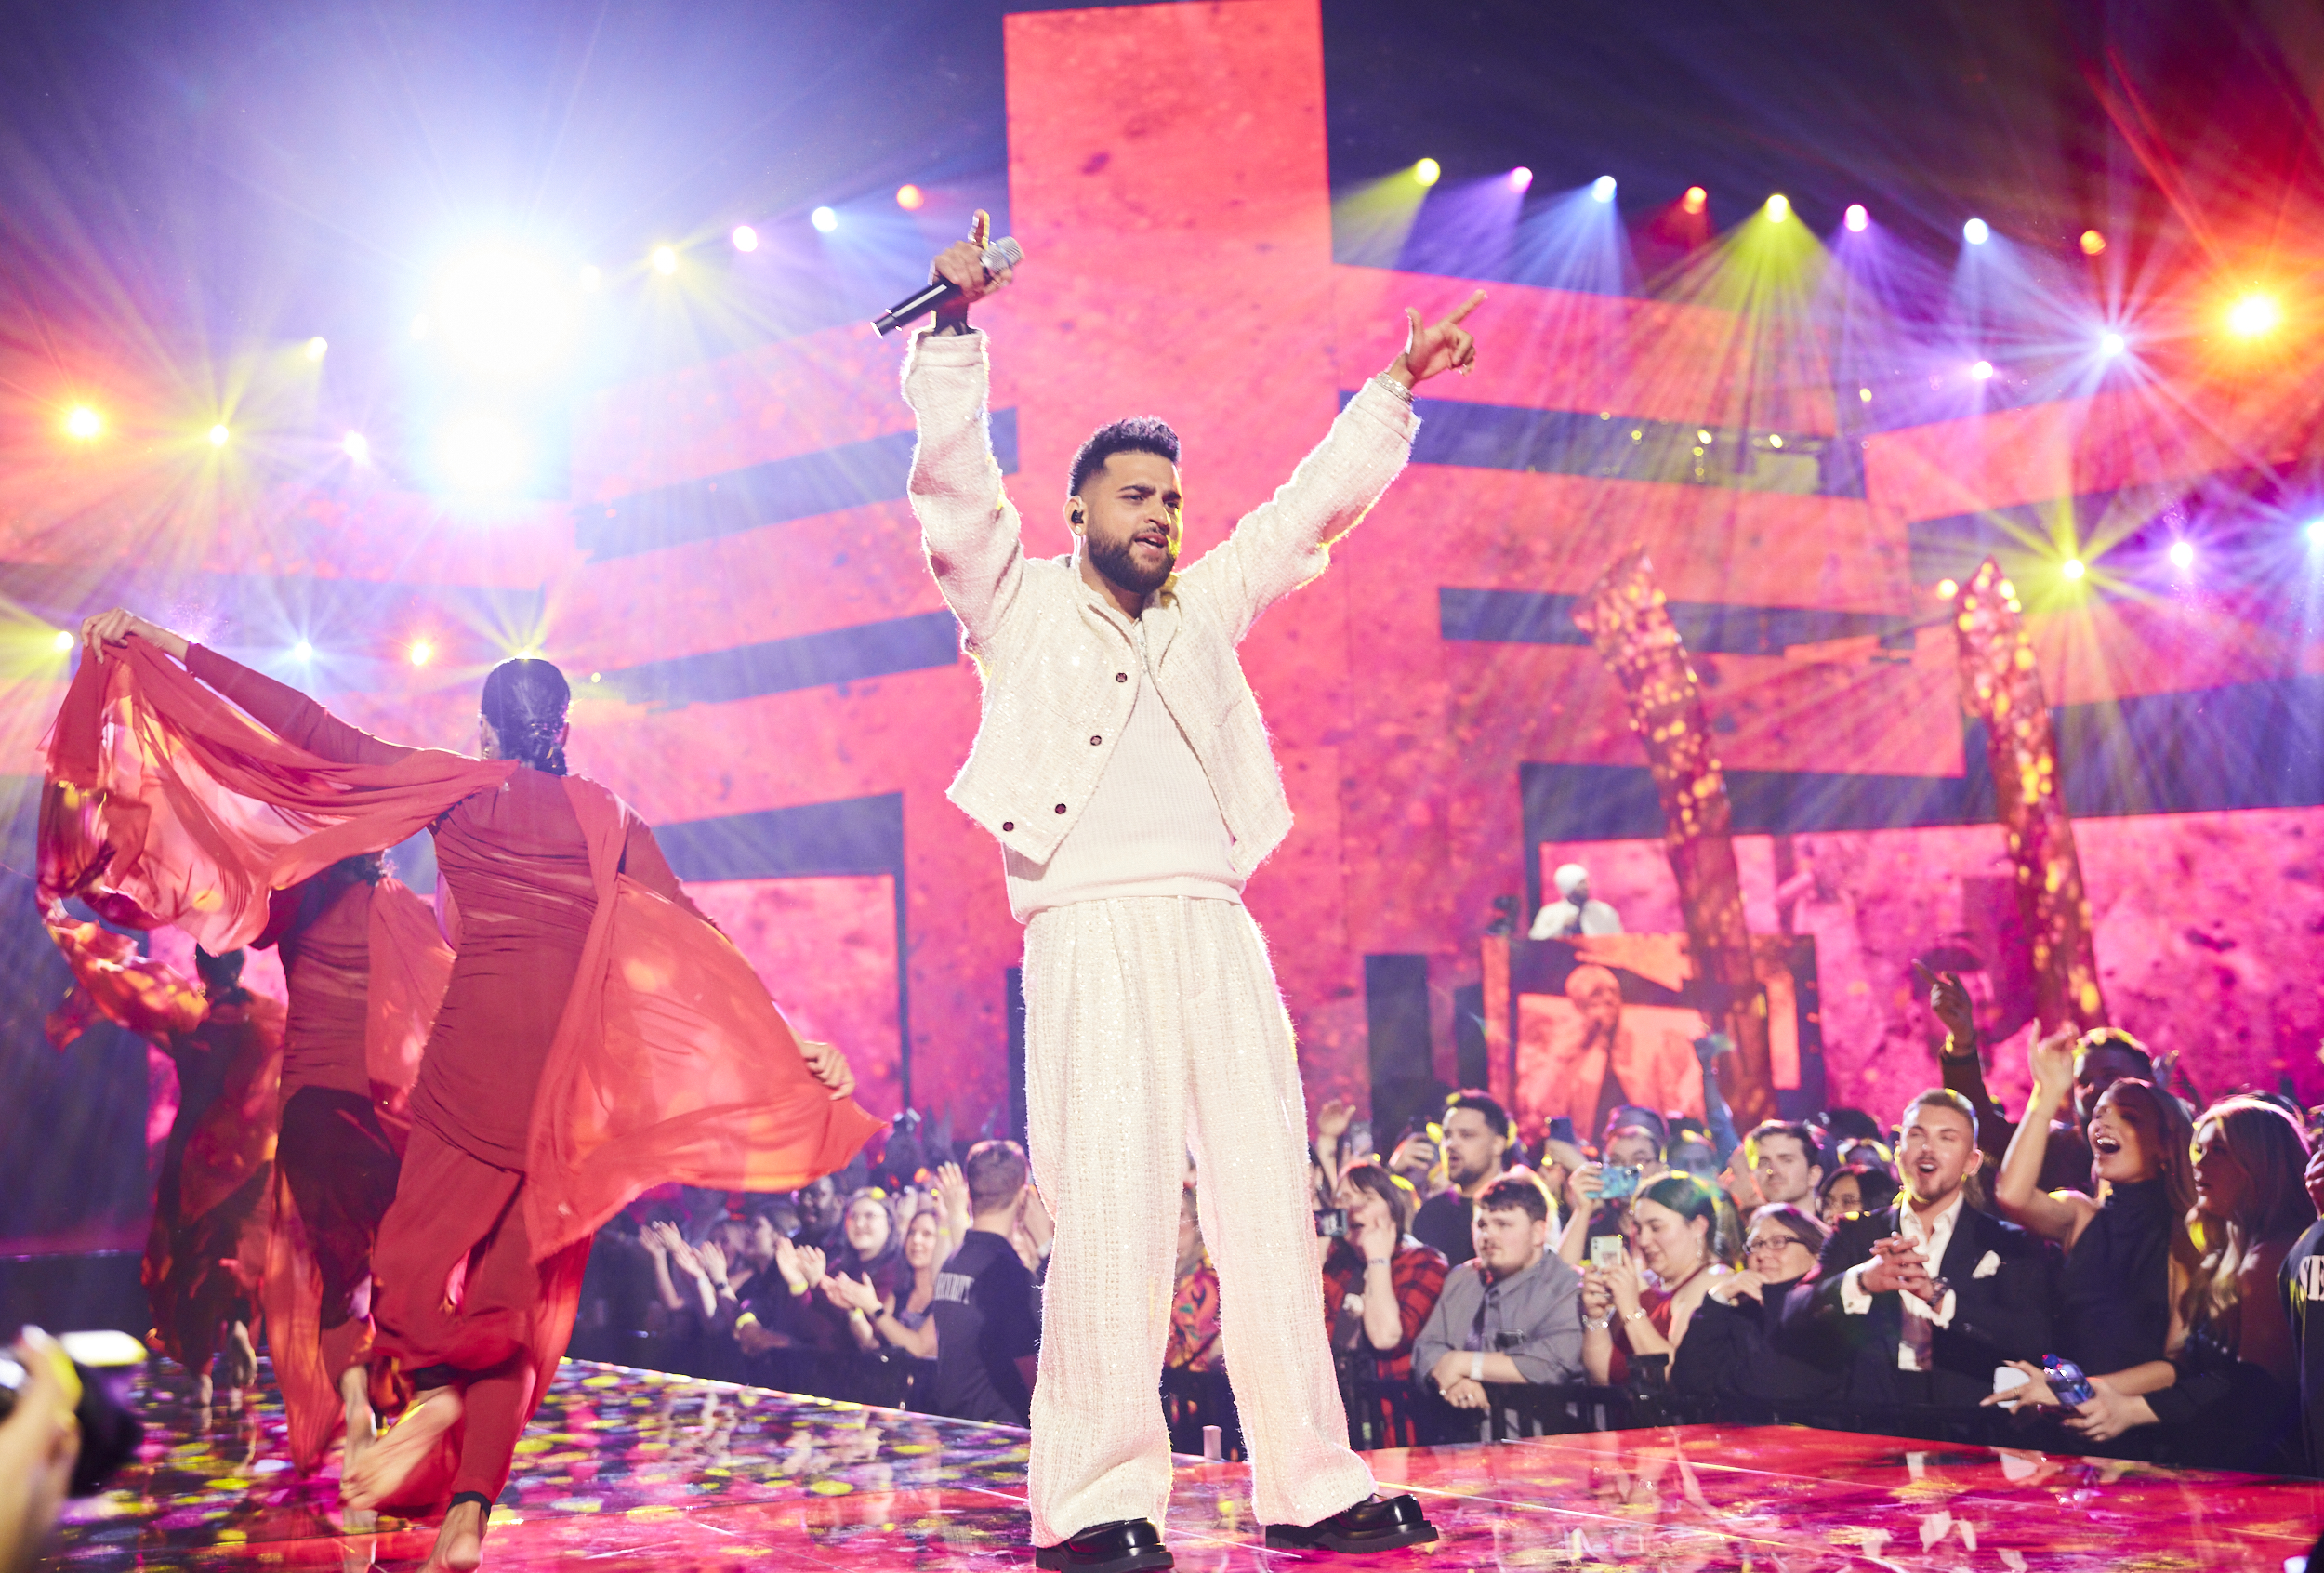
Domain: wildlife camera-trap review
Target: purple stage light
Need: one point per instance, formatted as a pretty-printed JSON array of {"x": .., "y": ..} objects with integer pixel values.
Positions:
[
  {"x": 1520, "y": 178},
  {"x": 1857, "y": 219}
]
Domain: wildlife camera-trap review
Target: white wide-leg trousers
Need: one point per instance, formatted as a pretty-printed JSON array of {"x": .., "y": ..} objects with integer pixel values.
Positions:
[{"x": 1153, "y": 1025}]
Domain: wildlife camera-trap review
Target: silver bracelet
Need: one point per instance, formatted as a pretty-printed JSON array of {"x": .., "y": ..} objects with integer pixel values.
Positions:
[
  {"x": 1398, "y": 388},
  {"x": 1596, "y": 1323}
]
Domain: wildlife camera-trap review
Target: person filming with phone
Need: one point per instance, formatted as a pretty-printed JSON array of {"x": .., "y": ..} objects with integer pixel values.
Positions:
[
  {"x": 1626, "y": 1319},
  {"x": 1510, "y": 1315}
]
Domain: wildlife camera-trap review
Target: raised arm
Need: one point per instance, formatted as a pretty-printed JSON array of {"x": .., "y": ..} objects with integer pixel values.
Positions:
[
  {"x": 1958, "y": 1062},
  {"x": 967, "y": 525},
  {"x": 2017, "y": 1191},
  {"x": 1285, "y": 541},
  {"x": 281, "y": 709}
]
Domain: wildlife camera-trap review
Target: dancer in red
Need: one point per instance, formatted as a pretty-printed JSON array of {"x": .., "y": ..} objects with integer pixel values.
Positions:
[
  {"x": 366, "y": 971},
  {"x": 550, "y": 1093},
  {"x": 204, "y": 1252}
]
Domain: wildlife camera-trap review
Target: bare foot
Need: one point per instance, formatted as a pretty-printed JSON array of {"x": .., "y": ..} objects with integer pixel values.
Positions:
[
  {"x": 389, "y": 1464},
  {"x": 460, "y": 1543}
]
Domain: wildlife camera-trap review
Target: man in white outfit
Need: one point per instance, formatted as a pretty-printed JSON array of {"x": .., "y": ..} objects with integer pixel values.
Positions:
[{"x": 1122, "y": 764}]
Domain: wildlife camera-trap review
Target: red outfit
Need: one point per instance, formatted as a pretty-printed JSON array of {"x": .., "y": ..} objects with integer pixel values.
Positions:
[
  {"x": 597, "y": 1037},
  {"x": 1418, "y": 1274}
]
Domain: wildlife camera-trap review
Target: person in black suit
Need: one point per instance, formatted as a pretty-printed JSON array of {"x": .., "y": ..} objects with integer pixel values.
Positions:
[
  {"x": 1920, "y": 1303},
  {"x": 1729, "y": 1366}
]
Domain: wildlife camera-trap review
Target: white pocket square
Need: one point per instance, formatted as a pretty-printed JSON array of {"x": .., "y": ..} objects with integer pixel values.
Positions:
[{"x": 1991, "y": 1265}]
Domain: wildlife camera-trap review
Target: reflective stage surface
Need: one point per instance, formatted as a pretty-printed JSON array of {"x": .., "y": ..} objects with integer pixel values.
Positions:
[{"x": 631, "y": 1470}]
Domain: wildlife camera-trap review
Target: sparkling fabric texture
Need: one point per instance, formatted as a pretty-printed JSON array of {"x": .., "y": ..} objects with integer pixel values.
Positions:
[{"x": 1153, "y": 1028}]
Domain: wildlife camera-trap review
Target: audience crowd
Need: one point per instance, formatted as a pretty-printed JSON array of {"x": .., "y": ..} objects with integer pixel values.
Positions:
[{"x": 2116, "y": 1273}]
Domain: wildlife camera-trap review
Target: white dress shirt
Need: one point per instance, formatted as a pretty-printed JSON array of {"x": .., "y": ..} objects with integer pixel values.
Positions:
[{"x": 1932, "y": 1239}]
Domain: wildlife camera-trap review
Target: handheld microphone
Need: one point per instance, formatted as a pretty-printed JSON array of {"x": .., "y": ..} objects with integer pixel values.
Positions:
[{"x": 1002, "y": 253}]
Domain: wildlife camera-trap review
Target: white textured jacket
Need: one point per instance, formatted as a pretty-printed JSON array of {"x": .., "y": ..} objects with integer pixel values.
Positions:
[{"x": 1056, "y": 656}]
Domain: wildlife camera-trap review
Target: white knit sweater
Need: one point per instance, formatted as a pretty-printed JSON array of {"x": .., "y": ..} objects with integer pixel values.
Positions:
[{"x": 1057, "y": 657}]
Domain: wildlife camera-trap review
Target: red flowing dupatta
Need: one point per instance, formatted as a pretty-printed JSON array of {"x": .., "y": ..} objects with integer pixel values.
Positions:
[
  {"x": 670, "y": 1062},
  {"x": 410, "y": 968},
  {"x": 165, "y": 804}
]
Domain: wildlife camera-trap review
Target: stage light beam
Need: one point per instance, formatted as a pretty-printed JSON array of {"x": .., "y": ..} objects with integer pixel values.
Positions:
[
  {"x": 2254, "y": 315},
  {"x": 1946, "y": 589},
  {"x": 1982, "y": 371},
  {"x": 218, "y": 434},
  {"x": 356, "y": 446},
  {"x": 2093, "y": 242},
  {"x": 666, "y": 261},
  {"x": 1977, "y": 231},
  {"x": 1601, "y": 190},
  {"x": 421, "y": 652},
  {"x": 744, "y": 238},
  {"x": 2315, "y": 532},
  {"x": 302, "y": 652},
  {"x": 2181, "y": 555},
  {"x": 62, "y": 642},
  {"x": 910, "y": 198},
  {"x": 2072, "y": 568},
  {"x": 83, "y": 422},
  {"x": 1778, "y": 209},
  {"x": 2111, "y": 344},
  {"x": 1428, "y": 172},
  {"x": 317, "y": 348},
  {"x": 1857, "y": 218},
  {"x": 1696, "y": 199},
  {"x": 824, "y": 220},
  {"x": 1520, "y": 179}
]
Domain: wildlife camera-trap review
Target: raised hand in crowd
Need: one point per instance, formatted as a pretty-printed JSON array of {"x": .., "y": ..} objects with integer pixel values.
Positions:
[
  {"x": 812, "y": 1266},
  {"x": 786, "y": 1264},
  {"x": 714, "y": 1265},
  {"x": 1744, "y": 1284},
  {"x": 687, "y": 1261},
  {"x": 853, "y": 1294},
  {"x": 2051, "y": 1060},
  {"x": 1950, "y": 1004}
]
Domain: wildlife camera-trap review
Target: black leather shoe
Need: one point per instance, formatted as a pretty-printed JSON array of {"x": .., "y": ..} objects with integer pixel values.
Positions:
[
  {"x": 1127, "y": 1546},
  {"x": 1367, "y": 1527}
]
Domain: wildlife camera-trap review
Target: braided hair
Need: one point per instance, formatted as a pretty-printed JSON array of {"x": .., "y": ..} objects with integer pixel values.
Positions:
[{"x": 525, "y": 702}]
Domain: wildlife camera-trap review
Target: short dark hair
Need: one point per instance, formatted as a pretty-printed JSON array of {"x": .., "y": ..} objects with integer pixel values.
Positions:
[
  {"x": 1876, "y": 1187},
  {"x": 1393, "y": 1189},
  {"x": 1632, "y": 1116},
  {"x": 1485, "y": 1103},
  {"x": 1516, "y": 1192},
  {"x": 1139, "y": 434},
  {"x": 2120, "y": 1042},
  {"x": 1810, "y": 1139},
  {"x": 996, "y": 1172}
]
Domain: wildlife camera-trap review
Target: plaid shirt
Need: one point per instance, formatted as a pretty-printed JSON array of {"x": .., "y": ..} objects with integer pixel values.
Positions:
[{"x": 1418, "y": 1274}]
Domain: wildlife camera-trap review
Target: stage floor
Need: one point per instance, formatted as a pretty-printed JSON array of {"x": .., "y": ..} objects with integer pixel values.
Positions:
[{"x": 633, "y": 1470}]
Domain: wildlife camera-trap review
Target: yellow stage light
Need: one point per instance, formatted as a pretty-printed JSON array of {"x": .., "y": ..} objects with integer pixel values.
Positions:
[
  {"x": 664, "y": 260},
  {"x": 84, "y": 422},
  {"x": 63, "y": 642},
  {"x": 421, "y": 652},
  {"x": 2093, "y": 242},
  {"x": 1428, "y": 171},
  {"x": 317, "y": 348},
  {"x": 909, "y": 198},
  {"x": 219, "y": 435},
  {"x": 1946, "y": 589},
  {"x": 2253, "y": 315},
  {"x": 2072, "y": 568},
  {"x": 1778, "y": 209}
]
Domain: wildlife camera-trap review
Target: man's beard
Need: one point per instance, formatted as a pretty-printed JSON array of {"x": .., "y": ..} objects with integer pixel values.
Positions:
[{"x": 1113, "y": 559}]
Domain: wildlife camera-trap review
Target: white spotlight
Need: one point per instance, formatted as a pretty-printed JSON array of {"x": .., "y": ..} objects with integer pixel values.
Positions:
[
  {"x": 302, "y": 651},
  {"x": 2112, "y": 344},
  {"x": 824, "y": 220},
  {"x": 1602, "y": 187},
  {"x": 2181, "y": 555},
  {"x": 745, "y": 238},
  {"x": 356, "y": 446},
  {"x": 1977, "y": 231},
  {"x": 507, "y": 313},
  {"x": 481, "y": 451},
  {"x": 63, "y": 642}
]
